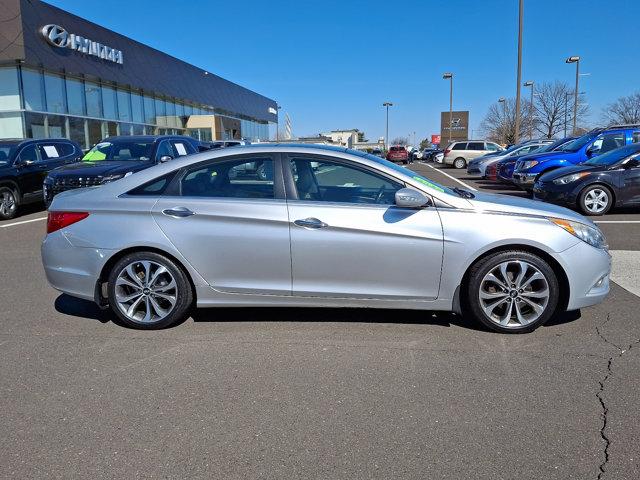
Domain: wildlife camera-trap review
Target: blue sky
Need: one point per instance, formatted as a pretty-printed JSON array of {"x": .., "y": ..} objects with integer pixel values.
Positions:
[{"x": 332, "y": 64}]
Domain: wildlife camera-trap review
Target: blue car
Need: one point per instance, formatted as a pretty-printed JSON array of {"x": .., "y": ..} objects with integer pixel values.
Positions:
[
  {"x": 506, "y": 167},
  {"x": 578, "y": 151}
]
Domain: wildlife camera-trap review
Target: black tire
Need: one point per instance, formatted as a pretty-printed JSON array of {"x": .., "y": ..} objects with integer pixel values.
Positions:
[
  {"x": 470, "y": 296},
  {"x": 183, "y": 291},
  {"x": 459, "y": 163},
  {"x": 592, "y": 190},
  {"x": 9, "y": 202}
]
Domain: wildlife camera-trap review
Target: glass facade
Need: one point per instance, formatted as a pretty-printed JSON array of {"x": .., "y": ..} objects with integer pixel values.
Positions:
[{"x": 37, "y": 104}]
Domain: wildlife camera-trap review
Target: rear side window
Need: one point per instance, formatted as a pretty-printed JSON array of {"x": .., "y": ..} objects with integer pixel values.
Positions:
[
  {"x": 154, "y": 187},
  {"x": 476, "y": 146},
  {"x": 49, "y": 151},
  {"x": 65, "y": 149},
  {"x": 459, "y": 146},
  {"x": 636, "y": 137},
  {"x": 181, "y": 148}
]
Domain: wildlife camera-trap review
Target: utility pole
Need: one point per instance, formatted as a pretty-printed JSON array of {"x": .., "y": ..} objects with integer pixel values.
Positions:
[
  {"x": 386, "y": 138},
  {"x": 519, "y": 80},
  {"x": 449, "y": 76}
]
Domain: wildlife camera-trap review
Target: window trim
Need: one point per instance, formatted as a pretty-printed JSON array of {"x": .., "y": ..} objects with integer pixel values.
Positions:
[{"x": 292, "y": 191}]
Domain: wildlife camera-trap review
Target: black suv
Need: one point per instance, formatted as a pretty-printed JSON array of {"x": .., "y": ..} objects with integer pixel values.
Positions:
[
  {"x": 24, "y": 164},
  {"x": 116, "y": 157}
]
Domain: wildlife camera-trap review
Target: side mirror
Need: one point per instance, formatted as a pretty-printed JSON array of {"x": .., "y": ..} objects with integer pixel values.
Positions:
[
  {"x": 633, "y": 163},
  {"x": 410, "y": 198},
  {"x": 165, "y": 158}
]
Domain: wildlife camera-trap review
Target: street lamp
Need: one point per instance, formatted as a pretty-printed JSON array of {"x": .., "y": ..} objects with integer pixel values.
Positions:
[
  {"x": 530, "y": 83},
  {"x": 576, "y": 60},
  {"x": 386, "y": 138},
  {"x": 503, "y": 101},
  {"x": 449, "y": 76},
  {"x": 519, "y": 79}
]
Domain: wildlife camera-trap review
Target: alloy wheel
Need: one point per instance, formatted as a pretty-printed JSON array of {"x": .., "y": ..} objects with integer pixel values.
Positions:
[
  {"x": 7, "y": 203},
  {"x": 514, "y": 294},
  {"x": 596, "y": 200},
  {"x": 459, "y": 163},
  {"x": 145, "y": 291}
]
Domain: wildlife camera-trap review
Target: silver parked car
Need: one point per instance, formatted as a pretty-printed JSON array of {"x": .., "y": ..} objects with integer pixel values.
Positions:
[{"x": 333, "y": 228}]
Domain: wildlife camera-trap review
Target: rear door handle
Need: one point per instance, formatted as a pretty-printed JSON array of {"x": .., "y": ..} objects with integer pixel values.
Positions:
[
  {"x": 311, "y": 222},
  {"x": 178, "y": 212}
]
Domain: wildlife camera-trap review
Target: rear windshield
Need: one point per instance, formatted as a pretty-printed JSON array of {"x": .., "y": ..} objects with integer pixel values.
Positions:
[{"x": 396, "y": 149}]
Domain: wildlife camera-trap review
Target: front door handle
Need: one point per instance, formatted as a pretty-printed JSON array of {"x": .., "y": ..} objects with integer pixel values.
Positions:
[
  {"x": 178, "y": 212},
  {"x": 310, "y": 222}
]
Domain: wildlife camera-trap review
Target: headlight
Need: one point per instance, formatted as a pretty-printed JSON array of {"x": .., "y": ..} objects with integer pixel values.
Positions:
[
  {"x": 112, "y": 178},
  {"x": 570, "y": 178},
  {"x": 591, "y": 235},
  {"x": 529, "y": 163}
]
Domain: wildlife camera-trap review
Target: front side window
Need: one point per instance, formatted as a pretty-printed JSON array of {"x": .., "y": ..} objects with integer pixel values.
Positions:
[
  {"x": 492, "y": 147},
  {"x": 233, "y": 179},
  {"x": 609, "y": 141},
  {"x": 325, "y": 181},
  {"x": 164, "y": 150},
  {"x": 29, "y": 154}
]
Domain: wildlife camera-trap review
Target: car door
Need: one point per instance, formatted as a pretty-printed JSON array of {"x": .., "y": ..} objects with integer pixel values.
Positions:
[
  {"x": 348, "y": 240},
  {"x": 475, "y": 149},
  {"x": 630, "y": 182},
  {"x": 29, "y": 171},
  {"x": 231, "y": 226}
]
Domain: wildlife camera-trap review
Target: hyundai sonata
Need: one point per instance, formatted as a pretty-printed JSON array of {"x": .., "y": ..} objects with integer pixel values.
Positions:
[{"x": 320, "y": 227}]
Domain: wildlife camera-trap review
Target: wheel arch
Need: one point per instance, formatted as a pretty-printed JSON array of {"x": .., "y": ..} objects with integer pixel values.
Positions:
[
  {"x": 11, "y": 182},
  {"x": 100, "y": 288},
  {"x": 600, "y": 183},
  {"x": 561, "y": 275}
]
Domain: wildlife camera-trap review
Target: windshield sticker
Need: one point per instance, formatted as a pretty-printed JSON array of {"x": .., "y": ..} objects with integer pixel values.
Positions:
[
  {"x": 426, "y": 182},
  {"x": 94, "y": 155}
]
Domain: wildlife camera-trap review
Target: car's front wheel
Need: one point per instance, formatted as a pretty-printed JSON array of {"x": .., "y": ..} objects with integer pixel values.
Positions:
[
  {"x": 149, "y": 291},
  {"x": 595, "y": 200},
  {"x": 459, "y": 163},
  {"x": 8, "y": 203},
  {"x": 511, "y": 292}
]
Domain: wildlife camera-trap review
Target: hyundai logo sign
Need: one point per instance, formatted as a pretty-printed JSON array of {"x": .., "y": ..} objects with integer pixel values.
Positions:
[{"x": 58, "y": 37}]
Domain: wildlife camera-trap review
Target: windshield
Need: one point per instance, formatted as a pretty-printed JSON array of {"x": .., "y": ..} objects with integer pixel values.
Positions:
[
  {"x": 6, "y": 152},
  {"x": 577, "y": 144},
  {"x": 613, "y": 156},
  {"x": 412, "y": 174},
  {"x": 119, "y": 151}
]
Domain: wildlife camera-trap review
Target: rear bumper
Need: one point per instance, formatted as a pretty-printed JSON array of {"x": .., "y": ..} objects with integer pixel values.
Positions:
[
  {"x": 549, "y": 192},
  {"x": 72, "y": 270}
]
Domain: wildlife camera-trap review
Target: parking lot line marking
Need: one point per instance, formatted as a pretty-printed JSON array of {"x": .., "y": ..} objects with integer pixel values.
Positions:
[
  {"x": 6, "y": 225},
  {"x": 451, "y": 177},
  {"x": 617, "y": 221}
]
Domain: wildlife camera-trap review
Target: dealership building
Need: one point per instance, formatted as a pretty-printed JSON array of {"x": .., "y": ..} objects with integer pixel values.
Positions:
[{"x": 63, "y": 76}]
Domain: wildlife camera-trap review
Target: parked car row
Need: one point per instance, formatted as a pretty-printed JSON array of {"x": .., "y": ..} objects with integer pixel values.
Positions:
[
  {"x": 36, "y": 170},
  {"x": 592, "y": 173}
]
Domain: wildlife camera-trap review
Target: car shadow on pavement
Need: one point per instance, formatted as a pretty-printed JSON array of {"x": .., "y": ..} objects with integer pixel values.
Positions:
[{"x": 77, "y": 307}]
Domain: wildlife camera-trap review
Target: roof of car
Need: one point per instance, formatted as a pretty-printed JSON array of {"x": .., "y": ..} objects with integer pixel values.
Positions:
[{"x": 145, "y": 138}]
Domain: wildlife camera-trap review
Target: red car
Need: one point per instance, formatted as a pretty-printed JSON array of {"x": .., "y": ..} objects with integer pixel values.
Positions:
[
  {"x": 491, "y": 173},
  {"x": 398, "y": 153}
]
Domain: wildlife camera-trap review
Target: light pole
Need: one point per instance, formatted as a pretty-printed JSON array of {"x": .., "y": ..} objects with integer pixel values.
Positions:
[
  {"x": 503, "y": 101},
  {"x": 449, "y": 76},
  {"x": 530, "y": 83},
  {"x": 386, "y": 138},
  {"x": 576, "y": 60},
  {"x": 519, "y": 79}
]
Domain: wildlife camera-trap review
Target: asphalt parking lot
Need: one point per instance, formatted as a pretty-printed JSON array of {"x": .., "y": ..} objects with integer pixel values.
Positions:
[{"x": 293, "y": 393}]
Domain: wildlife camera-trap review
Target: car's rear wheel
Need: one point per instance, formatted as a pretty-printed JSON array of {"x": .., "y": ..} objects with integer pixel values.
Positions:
[
  {"x": 8, "y": 203},
  {"x": 595, "y": 200},
  {"x": 512, "y": 292},
  {"x": 459, "y": 163},
  {"x": 149, "y": 291}
]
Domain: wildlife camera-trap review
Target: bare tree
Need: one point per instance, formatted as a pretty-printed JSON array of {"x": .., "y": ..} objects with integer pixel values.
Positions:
[
  {"x": 553, "y": 105},
  {"x": 400, "y": 141},
  {"x": 624, "y": 110},
  {"x": 499, "y": 124}
]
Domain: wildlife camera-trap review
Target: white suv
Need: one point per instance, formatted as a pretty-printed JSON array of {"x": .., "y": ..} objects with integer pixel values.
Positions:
[{"x": 459, "y": 154}]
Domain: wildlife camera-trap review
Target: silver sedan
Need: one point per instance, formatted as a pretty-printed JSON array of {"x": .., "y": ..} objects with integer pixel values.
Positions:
[{"x": 287, "y": 225}]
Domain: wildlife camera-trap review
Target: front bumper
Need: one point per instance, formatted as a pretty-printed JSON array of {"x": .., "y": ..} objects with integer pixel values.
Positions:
[
  {"x": 588, "y": 271},
  {"x": 473, "y": 169},
  {"x": 524, "y": 180}
]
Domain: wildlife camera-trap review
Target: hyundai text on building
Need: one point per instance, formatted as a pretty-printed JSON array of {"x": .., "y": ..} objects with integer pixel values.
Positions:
[{"x": 63, "y": 76}]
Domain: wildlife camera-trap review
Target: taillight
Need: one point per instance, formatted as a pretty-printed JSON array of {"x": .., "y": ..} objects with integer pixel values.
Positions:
[
  {"x": 58, "y": 220},
  {"x": 447, "y": 151}
]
